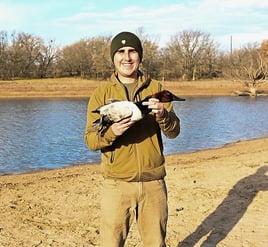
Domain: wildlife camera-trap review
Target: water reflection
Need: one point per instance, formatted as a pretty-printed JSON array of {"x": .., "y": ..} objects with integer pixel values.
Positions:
[{"x": 48, "y": 133}]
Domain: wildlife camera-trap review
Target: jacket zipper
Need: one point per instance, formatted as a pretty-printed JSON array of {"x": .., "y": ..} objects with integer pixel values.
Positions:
[
  {"x": 136, "y": 98},
  {"x": 112, "y": 157}
]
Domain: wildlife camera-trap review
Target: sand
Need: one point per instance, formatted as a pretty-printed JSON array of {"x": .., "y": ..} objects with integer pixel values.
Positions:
[{"x": 217, "y": 197}]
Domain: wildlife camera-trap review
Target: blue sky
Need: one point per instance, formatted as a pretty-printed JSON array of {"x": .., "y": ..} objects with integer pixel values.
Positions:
[{"x": 68, "y": 21}]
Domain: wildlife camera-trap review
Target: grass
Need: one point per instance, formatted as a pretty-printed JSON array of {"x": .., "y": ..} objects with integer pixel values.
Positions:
[{"x": 79, "y": 87}]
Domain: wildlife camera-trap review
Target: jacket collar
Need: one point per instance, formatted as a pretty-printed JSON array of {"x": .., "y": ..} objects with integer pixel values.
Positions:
[{"x": 143, "y": 80}]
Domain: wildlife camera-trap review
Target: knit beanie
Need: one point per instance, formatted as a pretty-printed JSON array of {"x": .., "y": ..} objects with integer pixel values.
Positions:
[{"x": 125, "y": 39}]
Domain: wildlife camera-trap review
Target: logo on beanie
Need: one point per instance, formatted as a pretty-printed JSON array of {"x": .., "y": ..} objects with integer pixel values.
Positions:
[{"x": 123, "y": 41}]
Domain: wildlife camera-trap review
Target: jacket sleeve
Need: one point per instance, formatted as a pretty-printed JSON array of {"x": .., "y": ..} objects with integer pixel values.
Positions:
[
  {"x": 169, "y": 122},
  {"x": 93, "y": 139}
]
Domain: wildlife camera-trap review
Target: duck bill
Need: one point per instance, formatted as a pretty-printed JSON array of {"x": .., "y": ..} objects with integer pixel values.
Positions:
[{"x": 176, "y": 98}]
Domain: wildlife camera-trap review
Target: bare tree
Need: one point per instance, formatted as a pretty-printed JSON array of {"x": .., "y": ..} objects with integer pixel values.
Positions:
[
  {"x": 192, "y": 51},
  {"x": 25, "y": 50},
  {"x": 46, "y": 59},
  {"x": 74, "y": 59},
  {"x": 4, "y": 56},
  {"x": 100, "y": 53},
  {"x": 249, "y": 66},
  {"x": 151, "y": 61}
]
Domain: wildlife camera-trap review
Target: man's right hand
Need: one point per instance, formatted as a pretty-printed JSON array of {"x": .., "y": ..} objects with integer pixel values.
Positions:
[{"x": 120, "y": 127}]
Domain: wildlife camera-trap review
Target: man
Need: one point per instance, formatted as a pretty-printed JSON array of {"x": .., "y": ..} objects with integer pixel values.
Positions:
[{"x": 132, "y": 152}]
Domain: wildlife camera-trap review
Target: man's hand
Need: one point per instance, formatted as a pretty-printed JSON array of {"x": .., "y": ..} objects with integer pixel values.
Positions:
[
  {"x": 120, "y": 127},
  {"x": 156, "y": 106}
]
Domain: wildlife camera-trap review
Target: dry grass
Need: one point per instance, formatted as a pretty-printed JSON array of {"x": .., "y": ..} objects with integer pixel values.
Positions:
[
  {"x": 60, "y": 87},
  {"x": 78, "y": 87}
]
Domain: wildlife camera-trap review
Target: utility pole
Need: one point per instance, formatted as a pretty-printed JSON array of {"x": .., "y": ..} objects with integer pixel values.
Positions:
[{"x": 231, "y": 45}]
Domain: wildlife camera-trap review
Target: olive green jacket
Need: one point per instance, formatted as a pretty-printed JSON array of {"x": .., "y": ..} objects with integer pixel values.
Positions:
[{"x": 137, "y": 155}]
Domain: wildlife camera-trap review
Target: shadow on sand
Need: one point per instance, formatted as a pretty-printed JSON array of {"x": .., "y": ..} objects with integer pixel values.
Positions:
[{"x": 220, "y": 222}]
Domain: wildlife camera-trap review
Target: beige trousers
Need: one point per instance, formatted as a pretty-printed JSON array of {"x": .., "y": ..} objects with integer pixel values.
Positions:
[{"x": 145, "y": 202}]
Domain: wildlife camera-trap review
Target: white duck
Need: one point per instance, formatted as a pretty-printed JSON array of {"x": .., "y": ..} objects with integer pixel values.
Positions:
[{"x": 117, "y": 110}]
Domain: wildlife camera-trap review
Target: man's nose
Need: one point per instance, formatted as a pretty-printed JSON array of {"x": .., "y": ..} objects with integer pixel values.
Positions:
[{"x": 126, "y": 55}]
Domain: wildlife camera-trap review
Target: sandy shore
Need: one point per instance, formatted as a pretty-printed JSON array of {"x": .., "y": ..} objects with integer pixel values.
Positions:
[{"x": 217, "y": 197}]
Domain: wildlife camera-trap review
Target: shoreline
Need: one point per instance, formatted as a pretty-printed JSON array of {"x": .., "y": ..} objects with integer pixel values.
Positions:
[
  {"x": 168, "y": 158},
  {"x": 93, "y": 163}
]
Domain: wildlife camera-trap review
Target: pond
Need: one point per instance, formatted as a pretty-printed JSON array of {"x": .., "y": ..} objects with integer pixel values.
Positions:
[{"x": 48, "y": 133}]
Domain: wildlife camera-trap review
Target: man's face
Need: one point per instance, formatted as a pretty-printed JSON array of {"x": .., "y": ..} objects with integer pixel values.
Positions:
[{"x": 127, "y": 61}]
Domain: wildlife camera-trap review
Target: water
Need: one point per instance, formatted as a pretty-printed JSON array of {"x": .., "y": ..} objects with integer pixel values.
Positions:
[
  {"x": 209, "y": 122},
  {"x": 48, "y": 133},
  {"x": 40, "y": 134}
]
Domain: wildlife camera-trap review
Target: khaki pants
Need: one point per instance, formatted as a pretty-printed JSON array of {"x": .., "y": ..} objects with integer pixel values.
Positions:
[{"x": 123, "y": 201}]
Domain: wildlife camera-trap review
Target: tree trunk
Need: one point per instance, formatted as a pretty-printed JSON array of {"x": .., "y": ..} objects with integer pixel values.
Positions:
[{"x": 253, "y": 91}]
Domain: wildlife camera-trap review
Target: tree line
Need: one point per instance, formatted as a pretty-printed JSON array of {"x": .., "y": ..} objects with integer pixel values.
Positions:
[{"x": 188, "y": 55}]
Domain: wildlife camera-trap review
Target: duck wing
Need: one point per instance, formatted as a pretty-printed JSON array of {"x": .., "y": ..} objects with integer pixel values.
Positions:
[{"x": 101, "y": 124}]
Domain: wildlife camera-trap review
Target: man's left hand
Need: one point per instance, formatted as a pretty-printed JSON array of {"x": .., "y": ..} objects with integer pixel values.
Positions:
[{"x": 156, "y": 106}]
